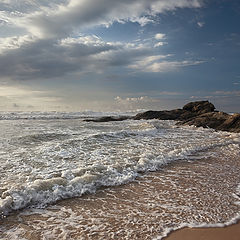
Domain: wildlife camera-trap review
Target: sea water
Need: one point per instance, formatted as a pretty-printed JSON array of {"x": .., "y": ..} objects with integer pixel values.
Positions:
[{"x": 47, "y": 157}]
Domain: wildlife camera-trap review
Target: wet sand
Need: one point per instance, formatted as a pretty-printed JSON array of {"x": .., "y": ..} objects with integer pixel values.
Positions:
[
  {"x": 227, "y": 233},
  {"x": 183, "y": 192}
]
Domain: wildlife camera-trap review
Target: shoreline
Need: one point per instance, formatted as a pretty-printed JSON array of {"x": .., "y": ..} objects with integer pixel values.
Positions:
[
  {"x": 143, "y": 209},
  {"x": 231, "y": 232}
]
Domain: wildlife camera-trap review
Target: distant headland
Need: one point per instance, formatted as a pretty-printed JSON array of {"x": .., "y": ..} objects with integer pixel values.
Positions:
[{"x": 199, "y": 114}]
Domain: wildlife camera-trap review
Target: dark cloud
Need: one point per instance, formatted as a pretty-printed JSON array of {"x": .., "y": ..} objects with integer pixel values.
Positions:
[{"x": 50, "y": 58}]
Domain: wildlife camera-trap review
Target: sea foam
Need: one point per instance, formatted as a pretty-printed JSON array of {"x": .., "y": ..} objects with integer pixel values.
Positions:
[{"x": 46, "y": 160}]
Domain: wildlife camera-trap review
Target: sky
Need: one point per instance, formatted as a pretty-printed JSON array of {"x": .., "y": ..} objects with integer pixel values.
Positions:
[{"x": 118, "y": 55}]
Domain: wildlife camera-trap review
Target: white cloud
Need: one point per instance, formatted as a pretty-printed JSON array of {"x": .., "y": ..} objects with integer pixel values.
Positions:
[
  {"x": 168, "y": 66},
  {"x": 227, "y": 93},
  {"x": 165, "y": 100},
  {"x": 218, "y": 94},
  {"x": 134, "y": 103},
  {"x": 134, "y": 99},
  {"x": 59, "y": 19},
  {"x": 159, "y": 44},
  {"x": 141, "y": 20},
  {"x": 160, "y": 36},
  {"x": 200, "y": 24},
  {"x": 14, "y": 42},
  {"x": 157, "y": 63}
]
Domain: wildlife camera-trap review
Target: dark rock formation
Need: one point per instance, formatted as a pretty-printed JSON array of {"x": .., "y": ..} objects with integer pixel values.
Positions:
[
  {"x": 232, "y": 124},
  {"x": 108, "y": 119},
  {"x": 199, "y": 107},
  {"x": 211, "y": 120},
  {"x": 216, "y": 120},
  {"x": 163, "y": 115},
  {"x": 189, "y": 111},
  {"x": 199, "y": 114}
]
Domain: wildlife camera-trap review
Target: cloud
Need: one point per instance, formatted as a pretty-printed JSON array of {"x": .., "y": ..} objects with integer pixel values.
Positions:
[
  {"x": 50, "y": 45},
  {"x": 159, "y": 44},
  {"x": 227, "y": 93},
  {"x": 15, "y": 96},
  {"x": 51, "y": 58},
  {"x": 218, "y": 95},
  {"x": 59, "y": 19},
  {"x": 237, "y": 82},
  {"x": 160, "y": 36},
  {"x": 200, "y": 24},
  {"x": 133, "y": 103},
  {"x": 164, "y": 100},
  {"x": 134, "y": 99},
  {"x": 157, "y": 63},
  {"x": 26, "y": 57},
  {"x": 14, "y": 42}
]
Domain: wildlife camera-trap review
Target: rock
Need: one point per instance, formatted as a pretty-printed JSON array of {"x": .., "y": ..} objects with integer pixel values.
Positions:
[
  {"x": 177, "y": 114},
  {"x": 216, "y": 120},
  {"x": 231, "y": 124},
  {"x": 199, "y": 114},
  {"x": 211, "y": 120},
  {"x": 190, "y": 110},
  {"x": 199, "y": 107},
  {"x": 108, "y": 119},
  {"x": 163, "y": 115}
]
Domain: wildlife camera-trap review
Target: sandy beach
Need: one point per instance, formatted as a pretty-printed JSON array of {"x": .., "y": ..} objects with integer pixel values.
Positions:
[
  {"x": 147, "y": 208},
  {"x": 227, "y": 233}
]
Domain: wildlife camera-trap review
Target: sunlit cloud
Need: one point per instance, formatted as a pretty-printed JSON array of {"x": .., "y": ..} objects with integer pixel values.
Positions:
[{"x": 159, "y": 64}]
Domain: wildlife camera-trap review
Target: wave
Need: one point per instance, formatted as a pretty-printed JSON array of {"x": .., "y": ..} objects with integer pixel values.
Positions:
[
  {"x": 75, "y": 183},
  {"x": 111, "y": 156},
  {"x": 60, "y": 115}
]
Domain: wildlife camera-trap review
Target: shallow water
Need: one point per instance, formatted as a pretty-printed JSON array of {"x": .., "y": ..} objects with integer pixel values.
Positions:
[{"x": 45, "y": 160}]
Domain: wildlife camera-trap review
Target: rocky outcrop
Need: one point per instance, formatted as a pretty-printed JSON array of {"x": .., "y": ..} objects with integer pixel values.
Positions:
[
  {"x": 207, "y": 120},
  {"x": 189, "y": 111},
  {"x": 163, "y": 115},
  {"x": 199, "y": 114},
  {"x": 232, "y": 124},
  {"x": 199, "y": 107},
  {"x": 216, "y": 120}
]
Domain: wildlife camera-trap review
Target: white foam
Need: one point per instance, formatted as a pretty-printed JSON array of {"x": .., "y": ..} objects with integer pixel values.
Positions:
[
  {"x": 45, "y": 161},
  {"x": 167, "y": 231},
  {"x": 38, "y": 115}
]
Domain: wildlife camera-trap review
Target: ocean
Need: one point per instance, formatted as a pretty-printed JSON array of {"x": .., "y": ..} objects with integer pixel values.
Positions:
[{"x": 64, "y": 178}]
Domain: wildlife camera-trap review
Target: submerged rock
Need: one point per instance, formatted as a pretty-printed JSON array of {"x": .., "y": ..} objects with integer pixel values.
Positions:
[{"x": 108, "y": 119}]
